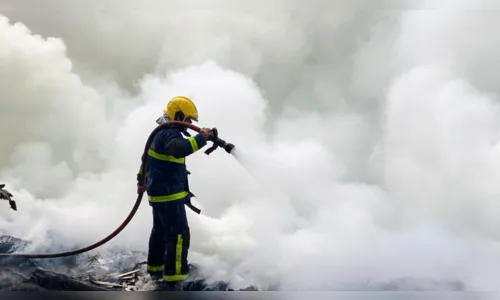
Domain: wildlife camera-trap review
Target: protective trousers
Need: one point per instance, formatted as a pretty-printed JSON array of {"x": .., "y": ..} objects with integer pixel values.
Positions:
[{"x": 169, "y": 241}]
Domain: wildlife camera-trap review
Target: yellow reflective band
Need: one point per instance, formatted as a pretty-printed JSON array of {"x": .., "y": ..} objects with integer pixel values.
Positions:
[
  {"x": 178, "y": 263},
  {"x": 140, "y": 171},
  {"x": 167, "y": 198},
  {"x": 194, "y": 144},
  {"x": 178, "y": 255},
  {"x": 165, "y": 157},
  {"x": 174, "y": 277},
  {"x": 154, "y": 268}
]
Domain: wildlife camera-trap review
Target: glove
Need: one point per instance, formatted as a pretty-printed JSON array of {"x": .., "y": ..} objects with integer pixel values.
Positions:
[{"x": 208, "y": 133}]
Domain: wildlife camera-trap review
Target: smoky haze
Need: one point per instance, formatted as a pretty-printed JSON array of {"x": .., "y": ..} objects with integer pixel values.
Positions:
[{"x": 367, "y": 132}]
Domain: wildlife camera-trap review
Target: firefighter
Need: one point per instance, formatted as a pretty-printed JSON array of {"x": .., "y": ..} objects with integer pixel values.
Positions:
[{"x": 166, "y": 184}]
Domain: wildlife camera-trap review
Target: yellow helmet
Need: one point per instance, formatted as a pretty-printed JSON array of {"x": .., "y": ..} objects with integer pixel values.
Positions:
[{"x": 181, "y": 108}]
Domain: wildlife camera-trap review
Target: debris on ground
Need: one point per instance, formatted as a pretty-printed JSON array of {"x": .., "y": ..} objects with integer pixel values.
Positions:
[
  {"x": 126, "y": 271},
  {"x": 84, "y": 272}
]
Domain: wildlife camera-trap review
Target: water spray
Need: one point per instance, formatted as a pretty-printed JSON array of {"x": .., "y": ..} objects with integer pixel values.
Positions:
[{"x": 217, "y": 142}]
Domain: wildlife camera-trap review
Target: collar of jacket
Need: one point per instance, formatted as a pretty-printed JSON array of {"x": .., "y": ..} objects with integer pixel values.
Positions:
[{"x": 163, "y": 119}]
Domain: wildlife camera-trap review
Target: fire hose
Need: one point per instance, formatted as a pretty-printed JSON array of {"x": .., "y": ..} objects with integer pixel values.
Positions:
[{"x": 217, "y": 142}]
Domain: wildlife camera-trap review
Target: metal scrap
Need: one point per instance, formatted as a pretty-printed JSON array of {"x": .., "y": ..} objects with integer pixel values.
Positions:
[
  {"x": 103, "y": 283},
  {"x": 6, "y": 195}
]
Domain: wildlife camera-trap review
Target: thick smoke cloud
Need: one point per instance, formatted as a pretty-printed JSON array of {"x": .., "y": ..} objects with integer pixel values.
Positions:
[{"x": 367, "y": 133}]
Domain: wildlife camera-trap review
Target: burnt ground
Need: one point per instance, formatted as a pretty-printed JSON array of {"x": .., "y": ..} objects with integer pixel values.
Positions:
[{"x": 124, "y": 270}]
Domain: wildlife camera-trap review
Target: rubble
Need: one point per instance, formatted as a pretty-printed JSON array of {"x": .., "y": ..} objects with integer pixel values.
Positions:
[{"x": 126, "y": 272}]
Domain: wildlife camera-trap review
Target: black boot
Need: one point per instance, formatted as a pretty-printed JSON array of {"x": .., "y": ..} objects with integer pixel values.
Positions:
[
  {"x": 172, "y": 286},
  {"x": 156, "y": 276}
]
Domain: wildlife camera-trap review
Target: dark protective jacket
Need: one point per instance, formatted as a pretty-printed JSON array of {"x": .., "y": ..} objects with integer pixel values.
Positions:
[{"x": 165, "y": 176}]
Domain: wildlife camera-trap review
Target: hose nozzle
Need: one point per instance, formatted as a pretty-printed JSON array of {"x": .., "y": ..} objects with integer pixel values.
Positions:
[
  {"x": 218, "y": 142},
  {"x": 223, "y": 144}
]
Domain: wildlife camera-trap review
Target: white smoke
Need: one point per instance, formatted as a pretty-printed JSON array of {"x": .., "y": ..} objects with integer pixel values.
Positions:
[{"x": 368, "y": 135}]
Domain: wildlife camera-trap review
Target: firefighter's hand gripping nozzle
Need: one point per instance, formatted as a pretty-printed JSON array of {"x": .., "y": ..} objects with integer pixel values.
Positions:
[{"x": 218, "y": 142}]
